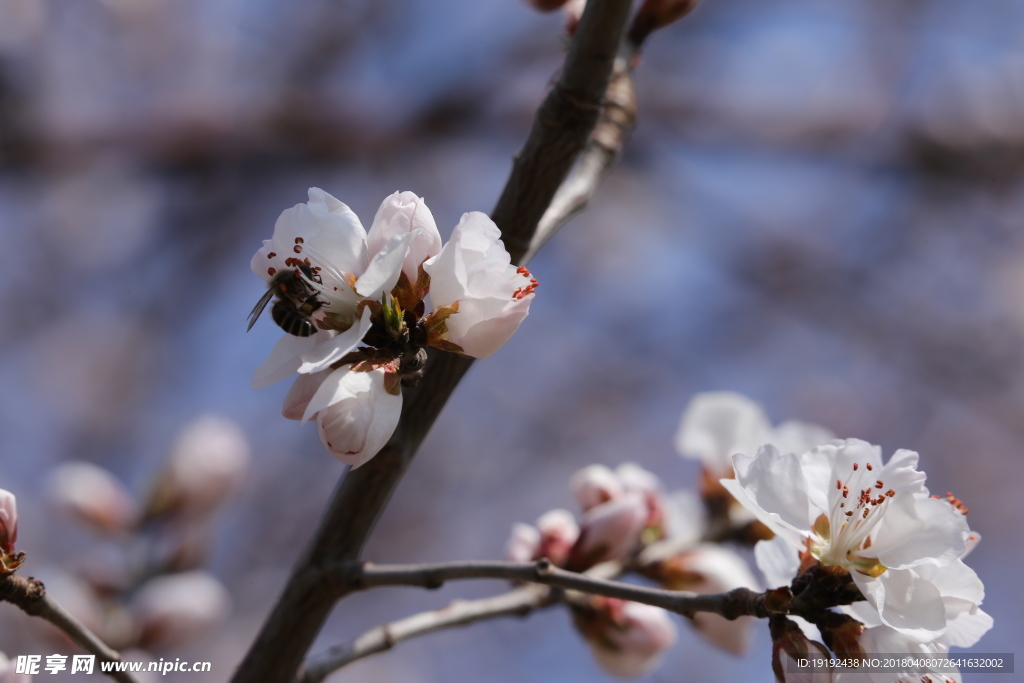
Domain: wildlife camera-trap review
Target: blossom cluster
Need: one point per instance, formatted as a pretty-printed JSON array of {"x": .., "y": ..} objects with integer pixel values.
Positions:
[
  {"x": 863, "y": 542},
  {"x": 627, "y": 518},
  {"x": 837, "y": 514},
  {"x": 355, "y": 306},
  {"x": 140, "y": 584}
]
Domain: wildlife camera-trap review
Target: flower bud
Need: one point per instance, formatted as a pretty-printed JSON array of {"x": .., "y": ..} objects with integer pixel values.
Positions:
[
  {"x": 207, "y": 463},
  {"x": 558, "y": 534},
  {"x": 609, "y": 531},
  {"x": 8, "y": 521},
  {"x": 176, "y": 609},
  {"x": 635, "y": 478},
  {"x": 627, "y": 638},
  {"x": 594, "y": 485},
  {"x": 523, "y": 544},
  {"x": 93, "y": 495},
  {"x": 655, "y": 14}
]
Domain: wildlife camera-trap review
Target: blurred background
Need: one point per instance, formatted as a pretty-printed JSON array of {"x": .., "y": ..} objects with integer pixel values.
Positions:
[{"x": 821, "y": 207}]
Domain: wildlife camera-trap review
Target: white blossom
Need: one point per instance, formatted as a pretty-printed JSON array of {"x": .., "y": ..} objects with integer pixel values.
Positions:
[
  {"x": 847, "y": 509},
  {"x": 717, "y": 425},
  {"x": 474, "y": 276}
]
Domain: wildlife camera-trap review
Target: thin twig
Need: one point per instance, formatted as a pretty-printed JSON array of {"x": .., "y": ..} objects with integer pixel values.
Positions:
[
  {"x": 29, "y": 595},
  {"x": 518, "y": 602},
  {"x": 560, "y": 132},
  {"x": 731, "y": 605}
]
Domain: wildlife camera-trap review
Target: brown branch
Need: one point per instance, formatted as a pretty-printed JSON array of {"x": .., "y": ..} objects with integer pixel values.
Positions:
[
  {"x": 618, "y": 115},
  {"x": 561, "y": 129},
  {"x": 30, "y": 596},
  {"x": 518, "y": 602}
]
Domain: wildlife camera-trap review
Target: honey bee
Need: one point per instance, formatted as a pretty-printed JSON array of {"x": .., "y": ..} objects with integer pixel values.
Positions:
[{"x": 296, "y": 301}]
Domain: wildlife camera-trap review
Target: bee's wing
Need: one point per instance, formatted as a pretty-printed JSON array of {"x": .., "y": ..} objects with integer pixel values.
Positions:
[{"x": 258, "y": 308}]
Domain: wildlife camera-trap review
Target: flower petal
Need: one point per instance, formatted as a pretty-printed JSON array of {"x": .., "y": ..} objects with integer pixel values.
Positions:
[
  {"x": 323, "y": 355},
  {"x": 284, "y": 359},
  {"x": 385, "y": 267}
]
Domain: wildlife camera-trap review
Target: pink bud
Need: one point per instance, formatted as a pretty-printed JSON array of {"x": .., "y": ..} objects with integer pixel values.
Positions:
[
  {"x": 176, "y": 609},
  {"x": 558, "y": 534},
  {"x": 627, "y": 638},
  {"x": 594, "y": 485},
  {"x": 207, "y": 463},
  {"x": 93, "y": 495},
  {"x": 635, "y": 478},
  {"x": 610, "y": 531},
  {"x": 523, "y": 544},
  {"x": 8, "y": 521}
]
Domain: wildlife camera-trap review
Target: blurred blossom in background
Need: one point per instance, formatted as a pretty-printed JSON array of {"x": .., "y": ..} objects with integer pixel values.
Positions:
[{"x": 821, "y": 208}]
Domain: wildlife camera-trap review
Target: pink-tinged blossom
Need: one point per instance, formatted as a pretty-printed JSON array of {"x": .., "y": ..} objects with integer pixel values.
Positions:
[
  {"x": 553, "y": 536},
  {"x": 207, "y": 463},
  {"x": 847, "y": 509},
  {"x": 523, "y": 544},
  {"x": 8, "y": 521},
  {"x": 176, "y": 609},
  {"x": 610, "y": 531},
  {"x": 473, "y": 276},
  {"x": 93, "y": 495},
  {"x": 558, "y": 533},
  {"x": 595, "y": 484},
  {"x": 626, "y": 638}
]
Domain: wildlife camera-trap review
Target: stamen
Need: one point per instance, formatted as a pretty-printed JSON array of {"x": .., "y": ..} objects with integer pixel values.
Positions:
[
  {"x": 271, "y": 255},
  {"x": 839, "y": 484},
  {"x": 870, "y": 467},
  {"x": 297, "y": 249},
  {"x": 271, "y": 271},
  {"x": 855, "y": 466},
  {"x": 879, "y": 484},
  {"x": 299, "y": 240}
]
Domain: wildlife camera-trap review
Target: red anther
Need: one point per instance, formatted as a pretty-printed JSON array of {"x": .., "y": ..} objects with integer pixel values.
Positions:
[
  {"x": 870, "y": 467},
  {"x": 271, "y": 255},
  {"x": 849, "y": 513},
  {"x": 855, "y": 466},
  {"x": 879, "y": 484},
  {"x": 307, "y": 261},
  {"x": 271, "y": 271},
  {"x": 890, "y": 493},
  {"x": 299, "y": 240},
  {"x": 523, "y": 271},
  {"x": 880, "y": 500},
  {"x": 846, "y": 492},
  {"x": 297, "y": 249},
  {"x": 839, "y": 485},
  {"x": 866, "y": 511}
]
